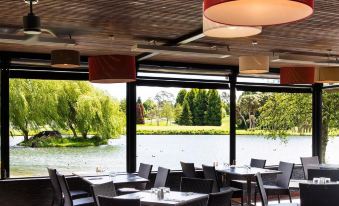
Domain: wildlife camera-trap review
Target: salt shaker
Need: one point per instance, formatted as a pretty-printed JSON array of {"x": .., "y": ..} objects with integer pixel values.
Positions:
[{"x": 161, "y": 193}]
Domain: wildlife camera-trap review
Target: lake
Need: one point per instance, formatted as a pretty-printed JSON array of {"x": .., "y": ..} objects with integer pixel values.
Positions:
[{"x": 161, "y": 150}]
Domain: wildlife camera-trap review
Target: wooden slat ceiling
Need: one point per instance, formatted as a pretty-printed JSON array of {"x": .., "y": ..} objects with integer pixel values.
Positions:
[{"x": 92, "y": 23}]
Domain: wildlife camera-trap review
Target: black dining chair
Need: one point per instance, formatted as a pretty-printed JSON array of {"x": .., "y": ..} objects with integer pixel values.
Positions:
[
  {"x": 282, "y": 181},
  {"x": 308, "y": 163},
  {"x": 211, "y": 173},
  {"x": 263, "y": 195},
  {"x": 242, "y": 184},
  {"x": 220, "y": 198},
  {"x": 144, "y": 172},
  {"x": 161, "y": 178},
  {"x": 204, "y": 186},
  {"x": 319, "y": 194},
  {"x": 57, "y": 194},
  {"x": 68, "y": 201},
  {"x": 188, "y": 169},
  {"x": 333, "y": 174},
  {"x": 106, "y": 190},
  {"x": 109, "y": 201}
]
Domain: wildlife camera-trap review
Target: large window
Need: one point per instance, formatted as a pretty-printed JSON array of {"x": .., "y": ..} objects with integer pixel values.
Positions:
[
  {"x": 273, "y": 126},
  {"x": 330, "y": 123},
  {"x": 68, "y": 125},
  {"x": 190, "y": 125}
]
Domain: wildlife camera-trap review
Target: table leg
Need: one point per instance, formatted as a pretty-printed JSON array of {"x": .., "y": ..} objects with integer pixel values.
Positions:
[{"x": 249, "y": 188}]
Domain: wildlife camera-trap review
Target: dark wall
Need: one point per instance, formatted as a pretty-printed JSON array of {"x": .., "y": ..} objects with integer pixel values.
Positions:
[{"x": 38, "y": 191}]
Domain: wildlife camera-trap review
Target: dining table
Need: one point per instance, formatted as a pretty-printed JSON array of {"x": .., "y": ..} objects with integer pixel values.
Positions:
[
  {"x": 247, "y": 173},
  {"x": 323, "y": 166},
  {"x": 117, "y": 179},
  {"x": 171, "y": 198},
  {"x": 296, "y": 183}
]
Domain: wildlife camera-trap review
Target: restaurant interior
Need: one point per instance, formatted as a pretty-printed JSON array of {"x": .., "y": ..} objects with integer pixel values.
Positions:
[{"x": 240, "y": 46}]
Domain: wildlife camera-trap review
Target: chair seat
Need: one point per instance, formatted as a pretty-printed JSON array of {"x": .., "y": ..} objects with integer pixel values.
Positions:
[
  {"x": 222, "y": 189},
  {"x": 87, "y": 201},
  {"x": 76, "y": 194},
  {"x": 125, "y": 191},
  {"x": 274, "y": 187}
]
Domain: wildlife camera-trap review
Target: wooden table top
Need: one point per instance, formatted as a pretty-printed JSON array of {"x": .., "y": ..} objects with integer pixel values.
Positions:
[
  {"x": 118, "y": 179},
  {"x": 172, "y": 198}
]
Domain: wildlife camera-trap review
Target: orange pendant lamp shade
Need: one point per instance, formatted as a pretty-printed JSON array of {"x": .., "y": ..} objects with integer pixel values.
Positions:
[
  {"x": 297, "y": 75},
  {"x": 112, "y": 69},
  {"x": 327, "y": 75},
  {"x": 257, "y": 12}
]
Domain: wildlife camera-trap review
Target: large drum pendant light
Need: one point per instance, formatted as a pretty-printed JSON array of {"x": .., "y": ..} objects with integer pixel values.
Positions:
[
  {"x": 112, "y": 69},
  {"x": 66, "y": 59},
  {"x": 254, "y": 64},
  {"x": 213, "y": 29},
  {"x": 327, "y": 75},
  {"x": 257, "y": 12},
  {"x": 297, "y": 75}
]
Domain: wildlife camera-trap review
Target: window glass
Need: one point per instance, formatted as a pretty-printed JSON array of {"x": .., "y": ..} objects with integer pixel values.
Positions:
[
  {"x": 174, "y": 124},
  {"x": 330, "y": 126},
  {"x": 68, "y": 125},
  {"x": 273, "y": 126}
]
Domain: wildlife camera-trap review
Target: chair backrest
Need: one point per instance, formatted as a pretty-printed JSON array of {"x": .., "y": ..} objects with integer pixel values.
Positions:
[
  {"x": 57, "y": 193},
  {"x": 144, "y": 171},
  {"x": 329, "y": 173},
  {"x": 161, "y": 178},
  {"x": 220, "y": 198},
  {"x": 210, "y": 173},
  {"x": 262, "y": 191},
  {"x": 283, "y": 180},
  {"x": 258, "y": 163},
  {"x": 65, "y": 190},
  {"x": 307, "y": 162},
  {"x": 188, "y": 169},
  {"x": 109, "y": 201},
  {"x": 106, "y": 190},
  {"x": 197, "y": 185},
  {"x": 319, "y": 194}
]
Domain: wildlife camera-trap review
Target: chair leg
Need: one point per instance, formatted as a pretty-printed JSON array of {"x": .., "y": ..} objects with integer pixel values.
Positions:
[
  {"x": 255, "y": 197},
  {"x": 289, "y": 195},
  {"x": 279, "y": 199}
]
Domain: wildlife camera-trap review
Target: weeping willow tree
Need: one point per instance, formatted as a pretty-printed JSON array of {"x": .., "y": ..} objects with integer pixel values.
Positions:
[
  {"x": 78, "y": 107},
  {"x": 282, "y": 113}
]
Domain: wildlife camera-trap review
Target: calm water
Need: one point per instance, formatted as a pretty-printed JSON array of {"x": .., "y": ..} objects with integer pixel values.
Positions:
[{"x": 162, "y": 150}]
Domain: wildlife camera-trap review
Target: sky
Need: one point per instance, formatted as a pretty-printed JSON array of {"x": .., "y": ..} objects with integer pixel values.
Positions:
[{"x": 119, "y": 90}]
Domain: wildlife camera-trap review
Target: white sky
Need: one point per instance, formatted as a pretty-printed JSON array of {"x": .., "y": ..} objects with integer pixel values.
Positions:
[{"x": 119, "y": 90}]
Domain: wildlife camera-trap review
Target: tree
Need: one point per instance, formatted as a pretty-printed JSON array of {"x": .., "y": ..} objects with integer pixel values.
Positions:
[
  {"x": 180, "y": 97},
  {"x": 25, "y": 99},
  {"x": 88, "y": 113},
  {"x": 189, "y": 97},
  {"x": 225, "y": 98},
  {"x": 162, "y": 97},
  {"x": 200, "y": 107},
  {"x": 248, "y": 104},
  {"x": 113, "y": 119},
  {"x": 177, "y": 112},
  {"x": 167, "y": 111},
  {"x": 213, "y": 114},
  {"x": 186, "y": 115},
  {"x": 283, "y": 112},
  {"x": 69, "y": 93},
  {"x": 150, "y": 109},
  {"x": 140, "y": 112}
]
